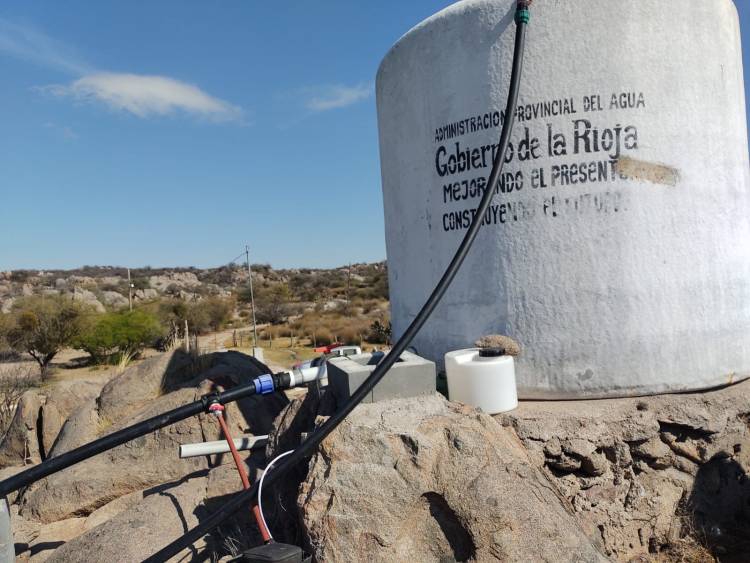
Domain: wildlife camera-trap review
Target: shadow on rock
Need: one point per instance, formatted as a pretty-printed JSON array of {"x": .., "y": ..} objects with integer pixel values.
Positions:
[{"x": 718, "y": 508}]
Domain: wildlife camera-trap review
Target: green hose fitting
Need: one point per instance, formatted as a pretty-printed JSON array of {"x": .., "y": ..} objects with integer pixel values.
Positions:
[{"x": 523, "y": 15}]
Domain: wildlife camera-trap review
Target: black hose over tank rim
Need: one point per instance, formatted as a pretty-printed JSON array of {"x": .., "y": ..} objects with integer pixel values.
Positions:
[{"x": 309, "y": 446}]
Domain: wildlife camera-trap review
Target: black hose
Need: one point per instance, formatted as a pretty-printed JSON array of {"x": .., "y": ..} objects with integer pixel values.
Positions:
[
  {"x": 309, "y": 446},
  {"x": 55, "y": 464}
]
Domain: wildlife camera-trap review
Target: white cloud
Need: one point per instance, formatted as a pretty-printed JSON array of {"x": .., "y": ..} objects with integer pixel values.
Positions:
[
  {"x": 141, "y": 95},
  {"x": 325, "y": 98},
  {"x": 144, "y": 95},
  {"x": 27, "y": 43}
]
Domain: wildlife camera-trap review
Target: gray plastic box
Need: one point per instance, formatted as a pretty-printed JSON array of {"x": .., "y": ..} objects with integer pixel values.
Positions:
[{"x": 410, "y": 376}]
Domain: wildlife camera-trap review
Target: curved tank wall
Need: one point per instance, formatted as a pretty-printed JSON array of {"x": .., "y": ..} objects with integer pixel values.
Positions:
[{"x": 617, "y": 248}]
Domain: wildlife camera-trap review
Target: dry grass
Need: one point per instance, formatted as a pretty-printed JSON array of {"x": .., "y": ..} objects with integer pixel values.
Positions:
[
  {"x": 685, "y": 550},
  {"x": 125, "y": 359},
  {"x": 15, "y": 380}
]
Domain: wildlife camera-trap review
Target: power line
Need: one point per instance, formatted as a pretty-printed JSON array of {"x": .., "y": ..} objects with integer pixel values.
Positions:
[{"x": 233, "y": 260}]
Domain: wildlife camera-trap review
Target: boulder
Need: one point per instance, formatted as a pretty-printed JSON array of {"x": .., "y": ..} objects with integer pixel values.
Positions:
[
  {"x": 164, "y": 514},
  {"x": 179, "y": 279},
  {"x": 39, "y": 418},
  {"x": 141, "y": 383},
  {"x": 82, "y": 426},
  {"x": 24, "y": 531},
  {"x": 114, "y": 299},
  {"x": 111, "y": 281},
  {"x": 146, "y": 294},
  {"x": 62, "y": 399},
  {"x": 144, "y": 462},
  {"x": 648, "y": 474},
  {"x": 135, "y": 395},
  {"x": 88, "y": 298},
  {"x": 6, "y": 304},
  {"x": 20, "y": 445},
  {"x": 423, "y": 479},
  {"x": 47, "y": 538},
  {"x": 112, "y": 509}
]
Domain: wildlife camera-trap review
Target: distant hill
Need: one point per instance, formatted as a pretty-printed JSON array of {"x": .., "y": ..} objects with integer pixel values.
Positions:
[{"x": 106, "y": 287}]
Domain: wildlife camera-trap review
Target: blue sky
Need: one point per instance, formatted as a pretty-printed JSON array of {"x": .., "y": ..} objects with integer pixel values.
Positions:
[{"x": 173, "y": 132}]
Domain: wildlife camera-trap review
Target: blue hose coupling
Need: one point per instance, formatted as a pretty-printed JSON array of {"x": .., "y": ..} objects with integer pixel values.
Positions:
[{"x": 263, "y": 385}]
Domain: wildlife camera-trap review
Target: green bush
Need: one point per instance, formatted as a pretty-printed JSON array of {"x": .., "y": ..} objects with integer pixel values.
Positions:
[{"x": 112, "y": 335}]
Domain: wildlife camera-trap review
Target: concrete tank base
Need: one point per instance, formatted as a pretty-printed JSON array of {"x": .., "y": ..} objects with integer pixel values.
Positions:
[{"x": 617, "y": 247}]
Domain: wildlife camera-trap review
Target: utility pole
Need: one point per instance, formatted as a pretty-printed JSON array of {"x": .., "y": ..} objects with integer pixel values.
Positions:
[
  {"x": 130, "y": 291},
  {"x": 348, "y": 290},
  {"x": 252, "y": 297},
  {"x": 348, "y": 283}
]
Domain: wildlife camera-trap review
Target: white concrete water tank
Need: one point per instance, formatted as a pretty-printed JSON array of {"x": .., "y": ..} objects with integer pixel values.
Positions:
[{"x": 617, "y": 248}]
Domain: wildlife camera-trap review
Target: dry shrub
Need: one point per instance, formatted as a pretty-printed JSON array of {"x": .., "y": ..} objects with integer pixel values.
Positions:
[
  {"x": 323, "y": 337},
  {"x": 686, "y": 550},
  {"x": 349, "y": 335},
  {"x": 283, "y": 331}
]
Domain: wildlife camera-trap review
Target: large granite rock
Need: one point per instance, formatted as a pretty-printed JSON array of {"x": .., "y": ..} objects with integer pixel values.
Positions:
[
  {"x": 88, "y": 298},
  {"x": 20, "y": 445},
  {"x": 427, "y": 480},
  {"x": 165, "y": 514},
  {"x": 144, "y": 462},
  {"x": 39, "y": 417},
  {"x": 114, "y": 299}
]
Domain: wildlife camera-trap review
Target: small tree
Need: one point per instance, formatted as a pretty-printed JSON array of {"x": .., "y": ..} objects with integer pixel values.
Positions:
[
  {"x": 218, "y": 311},
  {"x": 42, "y": 326},
  {"x": 113, "y": 335},
  {"x": 380, "y": 333}
]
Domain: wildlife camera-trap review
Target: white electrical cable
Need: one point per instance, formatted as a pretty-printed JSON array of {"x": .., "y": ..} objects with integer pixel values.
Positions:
[{"x": 260, "y": 489}]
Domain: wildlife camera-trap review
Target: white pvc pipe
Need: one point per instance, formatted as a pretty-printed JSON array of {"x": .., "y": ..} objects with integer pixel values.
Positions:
[
  {"x": 221, "y": 446},
  {"x": 300, "y": 376}
]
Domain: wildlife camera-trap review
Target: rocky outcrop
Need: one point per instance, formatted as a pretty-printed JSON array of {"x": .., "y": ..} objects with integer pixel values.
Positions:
[
  {"x": 139, "y": 393},
  {"x": 144, "y": 462},
  {"x": 39, "y": 417},
  {"x": 146, "y": 294},
  {"x": 644, "y": 474},
  {"x": 122, "y": 491},
  {"x": 164, "y": 514},
  {"x": 88, "y": 298},
  {"x": 427, "y": 480},
  {"x": 114, "y": 299},
  {"x": 63, "y": 398},
  {"x": 646, "y": 479},
  {"x": 20, "y": 445},
  {"x": 180, "y": 280},
  {"x": 135, "y": 387}
]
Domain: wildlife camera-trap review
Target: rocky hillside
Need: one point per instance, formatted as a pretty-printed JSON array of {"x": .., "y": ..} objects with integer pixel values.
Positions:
[{"x": 106, "y": 287}]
